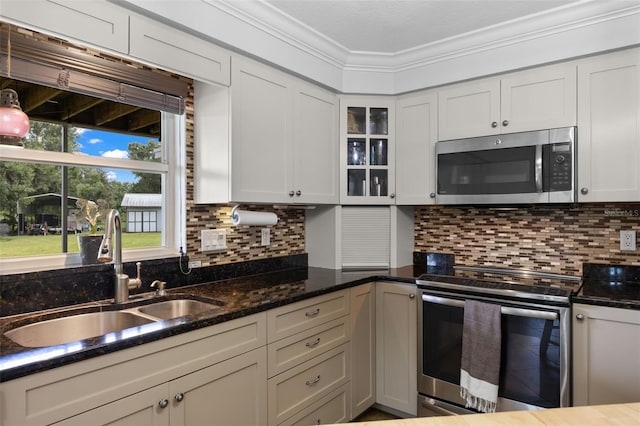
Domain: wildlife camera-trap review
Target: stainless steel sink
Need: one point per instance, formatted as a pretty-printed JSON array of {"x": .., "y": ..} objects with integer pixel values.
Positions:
[
  {"x": 177, "y": 308},
  {"x": 75, "y": 327}
]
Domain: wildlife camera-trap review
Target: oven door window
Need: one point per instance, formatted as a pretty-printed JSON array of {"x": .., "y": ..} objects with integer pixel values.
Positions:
[
  {"x": 495, "y": 171},
  {"x": 530, "y": 360}
]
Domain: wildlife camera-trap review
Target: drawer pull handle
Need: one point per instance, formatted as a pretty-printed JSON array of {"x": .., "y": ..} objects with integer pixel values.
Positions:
[
  {"x": 312, "y": 382},
  {"x": 313, "y": 313},
  {"x": 312, "y": 344}
]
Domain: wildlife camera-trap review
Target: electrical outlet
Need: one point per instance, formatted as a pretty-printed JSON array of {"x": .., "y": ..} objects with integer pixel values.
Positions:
[
  {"x": 628, "y": 240},
  {"x": 195, "y": 264},
  {"x": 266, "y": 236}
]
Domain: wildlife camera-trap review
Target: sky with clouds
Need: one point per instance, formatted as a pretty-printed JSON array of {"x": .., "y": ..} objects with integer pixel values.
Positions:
[{"x": 106, "y": 144}]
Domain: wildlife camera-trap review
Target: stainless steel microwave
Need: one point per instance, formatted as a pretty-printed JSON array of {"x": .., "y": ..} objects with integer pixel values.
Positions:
[{"x": 516, "y": 168}]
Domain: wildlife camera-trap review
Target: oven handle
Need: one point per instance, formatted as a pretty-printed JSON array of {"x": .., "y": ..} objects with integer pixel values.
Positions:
[{"x": 506, "y": 310}]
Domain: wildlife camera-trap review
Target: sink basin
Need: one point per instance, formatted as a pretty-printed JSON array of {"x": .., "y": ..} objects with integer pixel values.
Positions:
[
  {"x": 76, "y": 327},
  {"x": 177, "y": 308}
]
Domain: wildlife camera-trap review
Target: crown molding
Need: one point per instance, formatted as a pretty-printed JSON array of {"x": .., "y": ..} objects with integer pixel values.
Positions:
[{"x": 259, "y": 30}]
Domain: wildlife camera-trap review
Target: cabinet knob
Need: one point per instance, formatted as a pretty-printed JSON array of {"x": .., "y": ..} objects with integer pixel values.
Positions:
[
  {"x": 494, "y": 124},
  {"x": 291, "y": 193},
  {"x": 163, "y": 403},
  {"x": 392, "y": 195},
  {"x": 432, "y": 195},
  {"x": 584, "y": 191},
  {"x": 298, "y": 193},
  {"x": 505, "y": 123},
  {"x": 179, "y": 397},
  {"x": 579, "y": 317},
  {"x": 412, "y": 296}
]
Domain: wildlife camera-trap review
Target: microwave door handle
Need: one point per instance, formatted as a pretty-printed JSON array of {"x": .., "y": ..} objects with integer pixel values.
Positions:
[
  {"x": 505, "y": 310},
  {"x": 538, "y": 168}
]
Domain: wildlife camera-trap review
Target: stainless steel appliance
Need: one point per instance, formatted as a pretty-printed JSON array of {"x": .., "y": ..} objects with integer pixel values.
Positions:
[
  {"x": 516, "y": 168},
  {"x": 535, "y": 360}
]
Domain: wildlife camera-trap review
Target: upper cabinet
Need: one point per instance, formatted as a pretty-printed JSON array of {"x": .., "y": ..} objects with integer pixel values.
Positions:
[
  {"x": 609, "y": 127},
  {"x": 540, "y": 98},
  {"x": 96, "y": 22},
  {"x": 174, "y": 50},
  {"x": 281, "y": 145},
  {"x": 367, "y": 150},
  {"x": 416, "y": 136}
]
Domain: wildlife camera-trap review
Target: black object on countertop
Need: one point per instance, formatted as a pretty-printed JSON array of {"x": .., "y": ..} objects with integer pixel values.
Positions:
[{"x": 616, "y": 286}]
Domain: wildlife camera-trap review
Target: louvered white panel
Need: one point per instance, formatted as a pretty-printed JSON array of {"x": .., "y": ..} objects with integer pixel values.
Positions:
[{"x": 366, "y": 237}]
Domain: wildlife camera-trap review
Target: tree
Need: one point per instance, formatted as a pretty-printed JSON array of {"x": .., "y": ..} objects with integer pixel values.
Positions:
[{"x": 146, "y": 183}]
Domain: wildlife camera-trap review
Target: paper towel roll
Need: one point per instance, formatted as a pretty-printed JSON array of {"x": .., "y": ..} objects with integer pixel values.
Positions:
[{"x": 245, "y": 217}]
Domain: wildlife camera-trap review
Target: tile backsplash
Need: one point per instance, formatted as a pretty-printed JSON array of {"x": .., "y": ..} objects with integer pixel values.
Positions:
[{"x": 549, "y": 238}]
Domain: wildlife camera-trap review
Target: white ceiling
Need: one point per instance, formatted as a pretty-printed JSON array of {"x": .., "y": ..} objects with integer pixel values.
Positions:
[{"x": 393, "y": 26}]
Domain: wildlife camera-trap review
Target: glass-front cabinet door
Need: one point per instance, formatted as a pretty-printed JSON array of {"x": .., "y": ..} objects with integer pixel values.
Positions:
[{"x": 367, "y": 150}]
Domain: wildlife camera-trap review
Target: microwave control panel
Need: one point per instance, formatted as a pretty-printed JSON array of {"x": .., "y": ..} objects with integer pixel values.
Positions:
[{"x": 559, "y": 171}]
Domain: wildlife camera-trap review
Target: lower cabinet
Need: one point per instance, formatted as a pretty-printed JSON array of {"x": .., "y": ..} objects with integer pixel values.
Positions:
[
  {"x": 363, "y": 348},
  {"x": 396, "y": 346},
  {"x": 232, "y": 392},
  {"x": 606, "y": 355}
]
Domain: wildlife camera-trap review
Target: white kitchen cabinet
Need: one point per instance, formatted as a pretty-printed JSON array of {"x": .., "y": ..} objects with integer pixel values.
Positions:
[
  {"x": 363, "y": 348},
  {"x": 195, "y": 399},
  {"x": 184, "y": 363},
  {"x": 416, "y": 136},
  {"x": 99, "y": 23},
  {"x": 606, "y": 355},
  {"x": 314, "y": 145},
  {"x": 535, "y": 99},
  {"x": 609, "y": 127},
  {"x": 367, "y": 150},
  {"x": 174, "y": 50},
  {"x": 396, "y": 346},
  {"x": 281, "y": 146}
]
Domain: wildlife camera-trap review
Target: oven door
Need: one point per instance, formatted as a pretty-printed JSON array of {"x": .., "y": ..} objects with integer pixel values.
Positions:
[{"x": 534, "y": 369}]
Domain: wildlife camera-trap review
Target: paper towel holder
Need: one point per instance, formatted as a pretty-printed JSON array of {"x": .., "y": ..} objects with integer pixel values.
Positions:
[
  {"x": 233, "y": 211},
  {"x": 237, "y": 217}
]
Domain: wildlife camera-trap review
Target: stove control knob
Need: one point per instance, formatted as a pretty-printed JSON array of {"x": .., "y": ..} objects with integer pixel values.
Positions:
[{"x": 579, "y": 317}]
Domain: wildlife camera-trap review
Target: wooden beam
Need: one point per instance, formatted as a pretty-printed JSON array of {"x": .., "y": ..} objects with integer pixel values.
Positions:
[
  {"x": 143, "y": 118},
  {"x": 76, "y": 104},
  {"x": 36, "y": 96},
  {"x": 110, "y": 111}
]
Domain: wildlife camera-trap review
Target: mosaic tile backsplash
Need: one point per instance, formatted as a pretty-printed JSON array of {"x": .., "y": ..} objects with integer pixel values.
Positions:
[{"x": 549, "y": 238}]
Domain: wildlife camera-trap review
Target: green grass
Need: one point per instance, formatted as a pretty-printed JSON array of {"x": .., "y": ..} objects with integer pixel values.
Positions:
[{"x": 37, "y": 245}]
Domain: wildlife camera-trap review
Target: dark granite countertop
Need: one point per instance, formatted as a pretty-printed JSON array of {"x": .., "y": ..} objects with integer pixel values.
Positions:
[
  {"x": 613, "y": 286},
  {"x": 241, "y": 297}
]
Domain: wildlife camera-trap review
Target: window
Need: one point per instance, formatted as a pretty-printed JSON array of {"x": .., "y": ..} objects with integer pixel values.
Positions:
[{"x": 127, "y": 150}]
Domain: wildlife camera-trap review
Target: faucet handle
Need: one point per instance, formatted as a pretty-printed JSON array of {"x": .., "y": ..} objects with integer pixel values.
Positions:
[{"x": 160, "y": 291}]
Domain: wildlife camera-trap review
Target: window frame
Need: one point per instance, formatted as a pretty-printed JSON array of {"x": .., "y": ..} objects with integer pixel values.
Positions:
[{"x": 173, "y": 172}]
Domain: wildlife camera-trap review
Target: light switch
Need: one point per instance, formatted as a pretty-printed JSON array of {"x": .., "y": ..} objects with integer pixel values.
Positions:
[{"x": 213, "y": 239}]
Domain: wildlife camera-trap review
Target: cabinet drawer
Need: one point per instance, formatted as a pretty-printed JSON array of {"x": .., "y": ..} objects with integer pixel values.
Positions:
[
  {"x": 296, "y": 389},
  {"x": 296, "y": 317},
  {"x": 291, "y": 351},
  {"x": 332, "y": 409}
]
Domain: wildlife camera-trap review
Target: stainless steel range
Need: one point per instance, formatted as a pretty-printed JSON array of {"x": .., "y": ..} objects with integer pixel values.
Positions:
[{"x": 536, "y": 336}]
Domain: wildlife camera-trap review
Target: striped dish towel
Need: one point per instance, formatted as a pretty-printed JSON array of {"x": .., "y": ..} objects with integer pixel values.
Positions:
[{"x": 480, "y": 366}]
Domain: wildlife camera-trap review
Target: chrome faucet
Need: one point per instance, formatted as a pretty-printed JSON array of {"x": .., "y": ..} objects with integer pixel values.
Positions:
[{"x": 113, "y": 252}]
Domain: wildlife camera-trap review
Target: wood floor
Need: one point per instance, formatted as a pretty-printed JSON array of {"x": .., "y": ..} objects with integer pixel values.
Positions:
[{"x": 373, "y": 414}]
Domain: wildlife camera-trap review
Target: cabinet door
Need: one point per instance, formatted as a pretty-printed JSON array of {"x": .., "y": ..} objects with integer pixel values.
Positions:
[
  {"x": 99, "y": 23},
  {"x": 260, "y": 133},
  {"x": 315, "y": 146},
  {"x": 609, "y": 127},
  {"x": 171, "y": 49},
  {"x": 233, "y": 392},
  {"x": 468, "y": 110},
  {"x": 141, "y": 409},
  {"x": 606, "y": 355},
  {"x": 541, "y": 98},
  {"x": 396, "y": 347},
  {"x": 415, "y": 149},
  {"x": 363, "y": 348},
  {"x": 367, "y": 150}
]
